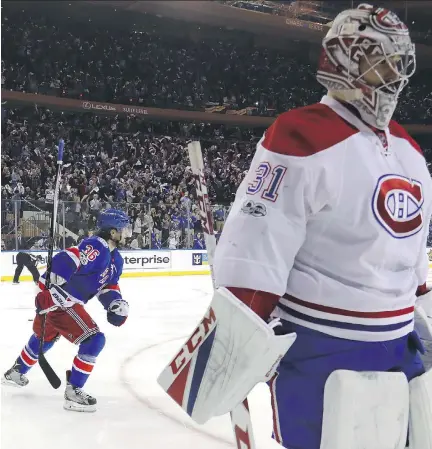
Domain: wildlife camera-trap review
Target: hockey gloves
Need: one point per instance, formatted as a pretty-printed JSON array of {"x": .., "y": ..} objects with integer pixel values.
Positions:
[
  {"x": 52, "y": 299},
  {"x": 118, "y": 312}
]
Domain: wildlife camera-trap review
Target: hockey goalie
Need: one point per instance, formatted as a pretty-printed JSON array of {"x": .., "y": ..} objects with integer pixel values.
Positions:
[{"x": 321, "y": 267}]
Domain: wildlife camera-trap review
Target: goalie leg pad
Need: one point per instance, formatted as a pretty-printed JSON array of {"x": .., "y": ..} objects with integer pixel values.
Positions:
[
  {"x": 298, "y": 390},
  {"x": 365, "y": 410},
  {"x": 230, "y": 351},
  {"x": 420, "y": 424}
]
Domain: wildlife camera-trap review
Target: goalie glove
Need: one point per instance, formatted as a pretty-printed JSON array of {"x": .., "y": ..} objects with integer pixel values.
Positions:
[
  {"x": 49, "y": 300},
  {"x": 118, "y": 312}
]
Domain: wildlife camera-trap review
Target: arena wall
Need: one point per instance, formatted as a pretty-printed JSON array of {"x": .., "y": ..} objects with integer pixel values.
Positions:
[
  {"x": 136, "y": 263},
  {"x": 143, "y": 263}
]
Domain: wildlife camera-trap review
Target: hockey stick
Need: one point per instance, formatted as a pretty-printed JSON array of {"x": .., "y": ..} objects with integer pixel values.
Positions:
[
  {"x": 50, "y": 374},
  {"x": 240, "y": 416}
]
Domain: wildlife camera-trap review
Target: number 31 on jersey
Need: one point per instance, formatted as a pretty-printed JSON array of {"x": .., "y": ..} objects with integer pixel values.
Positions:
[{"x": 267, "y": 178}]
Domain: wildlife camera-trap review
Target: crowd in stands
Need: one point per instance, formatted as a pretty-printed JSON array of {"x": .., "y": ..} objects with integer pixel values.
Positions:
[
  {"x": 113, "y": 161},
  {"x": 138, "y": 165},
  {"x": 142, "y": 167},
  {"x": 146, "y": 68},
  {"x": 267, "y": 7},
  {"x": 323, "y": 12}
]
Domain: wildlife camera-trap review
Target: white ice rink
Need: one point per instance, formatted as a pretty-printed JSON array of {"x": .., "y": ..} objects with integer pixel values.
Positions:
[{"x": 133, "y": 411}]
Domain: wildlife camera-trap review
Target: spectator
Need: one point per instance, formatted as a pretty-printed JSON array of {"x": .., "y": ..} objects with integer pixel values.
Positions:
[
  {"x": 136, "y": 243},
  {"x": 95, "y": 206},
  {"x": 137, "y": 229},
  {"x": 219, "y": 218},
  {"x": 199, "y": 241},
  {"x": 173, "y": 240}
]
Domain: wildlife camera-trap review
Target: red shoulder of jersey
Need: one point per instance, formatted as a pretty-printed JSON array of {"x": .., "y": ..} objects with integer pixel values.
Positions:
[
  {"x": 306, "y": 131},
  {"x": 399, "y": 131}
]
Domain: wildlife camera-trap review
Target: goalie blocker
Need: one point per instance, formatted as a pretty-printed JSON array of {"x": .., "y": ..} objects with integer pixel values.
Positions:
[{"x": 232, "y": 349}]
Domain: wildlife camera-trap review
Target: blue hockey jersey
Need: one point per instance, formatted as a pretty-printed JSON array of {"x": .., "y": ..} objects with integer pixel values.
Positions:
[
  {"x": 89, "y": 269},
  {"x": 199, "y": 243}
]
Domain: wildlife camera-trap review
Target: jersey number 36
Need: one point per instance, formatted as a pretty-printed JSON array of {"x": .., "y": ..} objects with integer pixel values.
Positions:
[{"x": 88, "y": 255}]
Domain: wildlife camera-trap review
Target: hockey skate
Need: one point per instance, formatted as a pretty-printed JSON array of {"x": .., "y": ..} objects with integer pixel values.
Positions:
[
  {"x": 77, "y": 400},
  {"x": 14, "y": 378}
]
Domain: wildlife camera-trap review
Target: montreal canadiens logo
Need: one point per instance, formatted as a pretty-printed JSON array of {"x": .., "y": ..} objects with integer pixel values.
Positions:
[
  {"x": 385, "y": 20},
  {"x": 397, "y": 205}
]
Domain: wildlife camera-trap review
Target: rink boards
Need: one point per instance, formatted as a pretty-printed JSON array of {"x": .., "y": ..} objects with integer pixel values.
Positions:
[{"x": 136, "y": 263}]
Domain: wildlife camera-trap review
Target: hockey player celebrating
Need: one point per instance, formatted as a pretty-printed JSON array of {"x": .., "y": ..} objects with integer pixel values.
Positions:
[
  {"x": 325, "y": 246},
  {"x": 78, "y": 274}
]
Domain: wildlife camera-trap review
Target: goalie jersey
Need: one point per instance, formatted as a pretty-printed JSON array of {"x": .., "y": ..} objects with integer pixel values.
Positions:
[
  {"x": 87, "y": 270},
  {"x": 333, "y": 218}
]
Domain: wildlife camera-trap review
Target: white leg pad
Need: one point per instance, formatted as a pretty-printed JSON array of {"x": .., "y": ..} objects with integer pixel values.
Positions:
[
  {"x": 365, "y": 410},
  {"x": 420, "y": 422}
]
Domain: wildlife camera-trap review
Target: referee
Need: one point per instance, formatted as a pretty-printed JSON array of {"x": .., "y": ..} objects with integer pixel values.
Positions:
[{"x": 30, "y": 262}]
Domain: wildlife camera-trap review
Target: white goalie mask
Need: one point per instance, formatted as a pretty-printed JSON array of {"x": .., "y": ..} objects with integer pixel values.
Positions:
[{"x": 367, "y": 59}]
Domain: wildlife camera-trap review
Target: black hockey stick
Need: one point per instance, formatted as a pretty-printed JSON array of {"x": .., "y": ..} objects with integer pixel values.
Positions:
[{"x": 50, "y": 374}]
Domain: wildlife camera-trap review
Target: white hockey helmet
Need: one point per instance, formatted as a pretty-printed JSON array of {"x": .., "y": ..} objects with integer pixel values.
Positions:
[{"x": 361, "y": 45}]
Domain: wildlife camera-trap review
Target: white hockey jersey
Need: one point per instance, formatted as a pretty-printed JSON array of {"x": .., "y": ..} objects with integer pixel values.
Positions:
[{"x": 334, "y": 221}]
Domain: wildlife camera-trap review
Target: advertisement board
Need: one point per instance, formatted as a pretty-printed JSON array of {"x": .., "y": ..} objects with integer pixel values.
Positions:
[
  {"x": 199, "y": 259},
  {"x": 137, "y": 263},
  {"x": 141, "y": 263},
  {"x": 146, "y": 260}
]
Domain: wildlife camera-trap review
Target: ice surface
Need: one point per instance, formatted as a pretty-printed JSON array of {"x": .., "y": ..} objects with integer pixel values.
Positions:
[{"x": 133, "y": 411}]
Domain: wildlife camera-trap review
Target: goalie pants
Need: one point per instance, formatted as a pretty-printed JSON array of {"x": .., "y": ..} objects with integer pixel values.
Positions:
[{"x": 297, "y": 389}]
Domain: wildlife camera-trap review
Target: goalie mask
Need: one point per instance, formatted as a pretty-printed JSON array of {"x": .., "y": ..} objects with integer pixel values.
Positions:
[{"x": 367, "y": 59}]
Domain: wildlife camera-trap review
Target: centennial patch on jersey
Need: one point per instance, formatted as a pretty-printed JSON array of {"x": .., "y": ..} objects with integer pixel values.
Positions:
[
  {"x": 397, "y": 205},
  {"x": 254, "y": 208}
]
